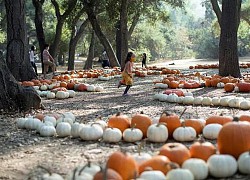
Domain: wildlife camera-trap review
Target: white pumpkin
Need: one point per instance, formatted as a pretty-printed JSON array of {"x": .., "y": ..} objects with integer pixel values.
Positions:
[
  {"x": 157, "y": 133},
  {"x": 36, "y": 87},
  {"x": 198, "y": 167},
  {"x": 75, "y": 129},
  {"x": 179, "y": 174},
  {"x": 188, "y": 93},
  {"x": 179, "y": 100},
  {"x": 77, "y": 175},
  {"x": 51, "y": 95},
  {"x": 51, "y": 86},
  {"x": 141, "y": 157},
  {"x": 163, "y": 97},
  {"x": 89, "y": 168},
  {"x": 62, "y": 95},
  {"x": 216, "y": 101},
  {"x": 69, "y": 115},
  {"x": 50, "y": 119},
  {"x": 211, "y": 131},
  {"x": 188, "y": 100},
  {"x": 220, "y": 85},
  {"x": 172, "y": 98},
  {"x": 222, "y": 166},
  {"x": 224, "y": 100},
  {"x": 157, "y": 96},
  {"x": 102, "y": 123},
  {"x": 112, "y": 135},
  {"x": 132, "y": 135},
  {"x": 207, "y": 101},
  {"x": 244, "y": 163},
  {"x": 63, "y": 129},
  {"x": 65, "y": 119},
  {"x": 91, "y": 132},
  {"x": 43, "y": 87},
  {"x": 235, "y": 102},
  {"x": 21, "y": 122},
  {"x": 198, "y": 100},
  {"x": 184, "y": 134},
  {"x": 47, "y": 131},
  {"x": 91, "y": 88},
  {"x": 161, "y": 86},
  {"x": 244, "y": 104},
  {"x": 72, "y": 93},
  {"x": 153, "y": 174},
  {"x": 52, "y": 176},
  {"x": 99, "y": 88},
  {"x": 32, "y": 123}
]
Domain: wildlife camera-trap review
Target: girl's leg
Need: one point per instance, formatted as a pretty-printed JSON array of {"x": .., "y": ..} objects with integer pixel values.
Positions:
[{"x": 127, "y": 88}]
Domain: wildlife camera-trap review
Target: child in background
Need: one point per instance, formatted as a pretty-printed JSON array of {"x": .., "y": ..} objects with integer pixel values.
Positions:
[
  {"x": 32, "y": 58},
  {"x": 144, "y": 59},
  {"x": 127, "y": 77}
]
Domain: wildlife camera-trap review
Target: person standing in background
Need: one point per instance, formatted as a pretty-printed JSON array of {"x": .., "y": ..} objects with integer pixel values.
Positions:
[
  {"x": 48, "y": 61},
  {"x": 32, "y": 58},
  {"x": 144, "y": 59}
]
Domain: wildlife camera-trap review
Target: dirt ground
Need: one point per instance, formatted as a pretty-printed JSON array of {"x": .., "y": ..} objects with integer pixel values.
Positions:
[{"x": 22, "y": 152}]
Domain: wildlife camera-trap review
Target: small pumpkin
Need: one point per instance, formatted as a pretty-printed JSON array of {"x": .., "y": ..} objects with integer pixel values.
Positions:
[
  {"x": 244, "y": 163},
  {"x": 179, "y": 174},
  {"x": 109, "y": 175},
  {"x": 132, "y": 135},
  {"x": 112, "y": 135},
  {"x": 63, "y": 129},
  {"x": 172, "y": 121},
  {"x": 119, "y": 121},
  {"x": 157, "y": 133},
  {"x": 142, "y": 122},
  {"x": 184, "y": 133},
  {"x": 198, "y": 167},
  {"x": 211, "y": 131},
  {"x": 47, "y": 131},
  {"x": 219, "y": 119},
  {"x": 91, "y": 132}
]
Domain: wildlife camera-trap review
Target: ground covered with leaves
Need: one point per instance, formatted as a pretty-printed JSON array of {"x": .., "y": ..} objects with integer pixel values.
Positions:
[{"x": 23, "y": 152}]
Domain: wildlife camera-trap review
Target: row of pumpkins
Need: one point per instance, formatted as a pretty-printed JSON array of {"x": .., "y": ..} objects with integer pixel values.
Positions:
[
  {"x": 173, "y": 162},
  {"x": 139, "y": 126},
  {"x": 215, "y": 66},
  {"x": 232, "y": 101}
]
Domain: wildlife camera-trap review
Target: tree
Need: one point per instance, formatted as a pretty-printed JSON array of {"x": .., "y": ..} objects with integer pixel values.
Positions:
[
  {"x": 89, "y": 61},
  {"x": 229, "y": 20},
  {"x": 16, "y": 67}
]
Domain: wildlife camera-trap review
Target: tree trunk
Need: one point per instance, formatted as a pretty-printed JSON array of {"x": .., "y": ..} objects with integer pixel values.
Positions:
[
  {"x": 75, "y": 36},
  {"x": 13, "y": 96},
  {"x": 98, "y": 31},
  {"x": 38, "y": 4},
  {"x": 124, "y": 31},
  {"x": 118, "y": 41},
  {"x": 228, "y": 51},
  {"x": 17, "y": 57},
  {"x": 89, "y": 61},
  {"x": 61, "y": 60}
]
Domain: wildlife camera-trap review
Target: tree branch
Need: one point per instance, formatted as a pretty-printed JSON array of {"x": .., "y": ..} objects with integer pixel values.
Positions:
[{"x": 217, "y": 10}]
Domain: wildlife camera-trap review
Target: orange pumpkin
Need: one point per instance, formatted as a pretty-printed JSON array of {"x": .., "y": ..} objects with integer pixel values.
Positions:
[
  {"x": 178, "y": 92},
  {"x": 39, "y": 116},
  {"x": 63, "y": 84},
  {"x": 229, "y": 87},
  {"x": 124, "y": 164},
  {"x": 214, "y": 82},
  {"x": 244, "y": 117},
  {"x": 196, "y": 124},
  {"x": 202, "y": 149},
  {"x": 110, "y": 174},
  {"x": 142, "y": 122},
  {"x": 176, "y": 152},
  {"x": 158, "y": 162},
  {"x": 234, "y": 138},
  {"x": 27, "y": 83},
  {"x": 243, "y": 86},
  {"x": 174, "y": 84},
  {"x": 119, "y": 121},
  {"x": 219, "y": 119},
  {"x": 172, "y": 121},
  {"x": 70, "y": 85},
  {"x": 82, "y": 87}
]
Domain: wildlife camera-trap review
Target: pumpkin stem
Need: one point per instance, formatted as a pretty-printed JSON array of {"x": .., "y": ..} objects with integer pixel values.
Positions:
[
  {"x": 183, "y": 124},
  {"x": 133, "y": 126},
  {"x": 118, "y": 114},
  {"x": 183, "y": 112},
  {"x": 236, "y": 119},
  {"x": 201, "y": 139},
  {"x": 46, "y": 169},
  {"x": 165, "y": 113},
  {"x": 141, "y": 112},
  {"x": 172, "y": 165},
  {"x": 74, "y": 173}
]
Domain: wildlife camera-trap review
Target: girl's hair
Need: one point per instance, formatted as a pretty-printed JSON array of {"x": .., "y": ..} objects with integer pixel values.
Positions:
[
  {"x": 46, "y": 45},
  {"x": 129, "y": 55},
  {"x": 32, "y": 48},
  {"x": 144, "y": 54}
]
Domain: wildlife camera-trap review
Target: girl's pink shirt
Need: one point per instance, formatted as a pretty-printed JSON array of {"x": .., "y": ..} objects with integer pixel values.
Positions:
[{"x": 128, "y": 67}]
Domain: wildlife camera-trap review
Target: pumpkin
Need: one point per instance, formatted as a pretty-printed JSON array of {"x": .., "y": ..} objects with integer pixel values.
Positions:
[
  {"x": 43, "y": 87},
  {"x": 206, "y": 101},
  {"x": 229, "y": 87},
  {"x": 215, "y": 101},
  {"x": 51, "y": 95},
  {"x": 157, "y": 162},
  {"x": 244, "y": 163},
  {"x": 198, "y": 125},
  {"x": 178, "y": 92},
  {"x": 179, "y": 174},
  {"x": 39, "y": 116},
  {"x": 81, "y": 87},
  {"x": 75, "y": 129},
  {"x": 198, "y": 167},
  {"x": 72, "y": 93},
  {"x": 110, "y": 174},
  {"x": 141, "y": 157},
  {"x": 142, "y": 122},
  {"x": 83, "y": 172},
  {"x": 211, "y": 131},
  {"x": 152, "y": 174},
  {"x": 32, "y": 123},
  {"x": 162, "y": 97},
  {"x": 99, "y": 88},
  {"x": 62, "y": 94},
  {"x": 119, "y": 121},
  {"x": 157, "y": 133},
  {"x": 198, "y": 100},
  {"x": 124, "y": 164},
  {"x": 243, "y": 86},
  {"x": 202, "y": 149},
  {"x": 47, "y": 131},
  {"x": 50, "y": 119},
  {"x": 188, "y": 100},
  {"x": 63, "y": 129},
  {"x": 112, "y": 135},
  {"x": 224, "y": 100},
  {"x": 184, "y": 133},
  {"x": 222, "y": 166},
  {"x": 244, "y": 104},
  {"x": 176, "y": 152},
  {"x": 91, "y": 132},
  {"x": 21, "y": 122},
  {"x": 220, "y": 85},
  {"x": 244, "y": 117},
  {"x": 91, "y": 88},
  {"x": 172, "y": 121},
  {"x": 238, "y": 132},
  {"x": 132, "y": 134},
  {"x": 219, "y": 119}
]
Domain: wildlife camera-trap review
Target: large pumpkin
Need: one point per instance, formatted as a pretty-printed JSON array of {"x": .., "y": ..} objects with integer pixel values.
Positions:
[
  {"x": 142, "y": 122},
  {"x": 124, "y": 164},
  {"x": 119, "y": 121},
  {"x": 176, "y": 152},
  {"x": 172, "y": 121},
  {"x": 234, "y": 138}
]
